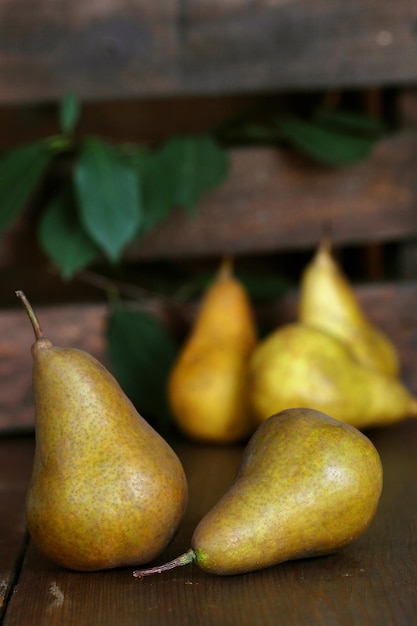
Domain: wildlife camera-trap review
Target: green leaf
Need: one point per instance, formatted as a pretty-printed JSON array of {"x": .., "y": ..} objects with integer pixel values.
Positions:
[
  {"x": 62, "y": 238},
  {"x": 350, "y": 123},
  {"x": 107, "y": 188},
  {"x": 69, "y": 113},
  {"x": 142, "y": 354},
  {"x": 20, "y": 171},
  {"x": 198, "y": 165},
  {"x": 327, "y": 146},
  {"x": 158, "y": 186}
]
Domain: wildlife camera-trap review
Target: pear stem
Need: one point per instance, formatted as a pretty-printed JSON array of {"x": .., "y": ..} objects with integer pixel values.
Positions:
[
  {"x": 32, "y": 316},
  {"x": 184, "y": 559},
  {"x": 325, "y": 246},
  {"x": 226, "y": 268}
]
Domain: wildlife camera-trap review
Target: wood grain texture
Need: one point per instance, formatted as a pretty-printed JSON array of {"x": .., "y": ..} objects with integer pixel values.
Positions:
[
  {"x": 371, "y": 582},
  {"x": 124, "y": 49},
  {"x": 393, "y": 307},
  {"x": 15, "y": 466},
  {"x": 70, "y": 325},
  {"x": 275, "y": 201}
]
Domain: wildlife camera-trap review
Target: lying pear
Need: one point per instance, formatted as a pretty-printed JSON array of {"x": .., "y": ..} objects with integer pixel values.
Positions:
[
  {"x": 208, "y": 385},
  {"x": 298, "y": 365},
  {"x": 308, "y": 485},
  {"x": 106, "y": 490},
  {"x": 328, "y": 302}
]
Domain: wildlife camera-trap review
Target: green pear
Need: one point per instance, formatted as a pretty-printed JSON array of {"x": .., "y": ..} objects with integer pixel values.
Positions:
[
  {"x": 307, "y": 485},
  {"x": 298, "y": 365},
  {"x": 106, "y": 489},
  {"x": 329, "y": 303}
]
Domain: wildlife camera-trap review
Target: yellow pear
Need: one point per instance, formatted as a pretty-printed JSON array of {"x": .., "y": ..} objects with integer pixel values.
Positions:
[
  {"x": 208, "y": 385},
  {"x": 307, "y": 485},
  {"x": 301, "y": 366},
  {"x": 328, "y": 302},
  {"x": 106, "y": 489}
]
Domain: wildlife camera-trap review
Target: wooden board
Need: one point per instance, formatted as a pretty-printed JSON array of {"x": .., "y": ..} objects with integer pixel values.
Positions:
[
  {"x": 371, "y": 582},
  {"x": 124, "y": 49},
  {"x": 272, "y": 201},
  {"x": 70, "y": 325},
  {"x": 15, "y": 465},
  {"x": 393, "y": 307}
]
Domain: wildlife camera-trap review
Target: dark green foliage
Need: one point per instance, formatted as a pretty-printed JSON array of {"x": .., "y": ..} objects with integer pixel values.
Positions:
[
  {"x": 62, "y": 237},
  {"x": 20, "y": 172},
  {"x": 121, "y": 192},
  {"x": 329, "y": 137},
  {"x": 333, "y": 139},
  {"x": 141, "y": 353},
  {"x": 108, "y": 196}
]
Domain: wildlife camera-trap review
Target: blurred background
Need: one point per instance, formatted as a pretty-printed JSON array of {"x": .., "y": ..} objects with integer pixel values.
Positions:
[{"x": 141, "y": 142}]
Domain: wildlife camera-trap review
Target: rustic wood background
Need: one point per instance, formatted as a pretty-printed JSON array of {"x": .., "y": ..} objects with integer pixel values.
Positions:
[
  {"x": 142, "y": 49},
  {"x": 147, "y": 70}
]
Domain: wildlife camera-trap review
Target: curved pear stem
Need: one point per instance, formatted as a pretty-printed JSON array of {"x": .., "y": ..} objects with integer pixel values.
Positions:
[
  {"x": 184, "y": 559},
  {"x": 226, "y": 268},
  {"x": 326, "y": 242},
  {"x": 32, "y": 316}
]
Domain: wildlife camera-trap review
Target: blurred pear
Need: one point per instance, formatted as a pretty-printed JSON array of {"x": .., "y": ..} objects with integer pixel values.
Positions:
[
  {"x": 208, "y": 385},
  {"x": 328, "y": 302},
  {"x": 301, "y": 366}
]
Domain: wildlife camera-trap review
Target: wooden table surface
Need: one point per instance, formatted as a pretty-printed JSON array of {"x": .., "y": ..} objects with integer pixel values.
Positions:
[{"x": 371, "y": 582}]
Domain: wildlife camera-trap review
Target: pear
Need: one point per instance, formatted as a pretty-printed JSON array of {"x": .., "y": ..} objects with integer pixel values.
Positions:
[
  {"x": 208, "y": 384},
  {"x": 298, "y": 365},
  {"x": 106, "y": 489},
  {"x": 307, "y": 485},
  {"x": 328, "y": 302}
]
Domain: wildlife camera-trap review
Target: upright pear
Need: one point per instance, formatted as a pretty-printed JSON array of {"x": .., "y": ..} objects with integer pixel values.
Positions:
[
  {"x": 308, "y": 485},
  {"x": 328, "y": 302},
  {"x": 208, "y": 385},
  {"x": 299, "y": 365},
  {"x": 106, "y": 490}
]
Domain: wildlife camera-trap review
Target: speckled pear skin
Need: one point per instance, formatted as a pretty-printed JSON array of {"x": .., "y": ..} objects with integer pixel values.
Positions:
[
  {"x": 329, "y": 303},
  {"x": 208, "y": 385},
  {"x": 307, "y": 485},
  {"x": 106, "y": 490}
]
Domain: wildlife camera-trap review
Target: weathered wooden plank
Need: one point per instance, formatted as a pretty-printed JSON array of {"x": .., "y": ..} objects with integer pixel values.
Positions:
[
  {"x": 141, "y": 120},
  {"x": 370, "y": 582},
  {"x": 96, "y": 50},
  {"x": 125, "y": 49},
  {"x": 275, "y": 201},
  {"x": 71, "y": 325},
  {"x": 15, "y": 465},
  {"x": 393, "y": 307},
  {"x": 299, "y": 44}
]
